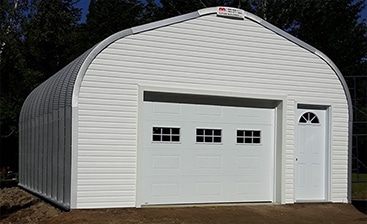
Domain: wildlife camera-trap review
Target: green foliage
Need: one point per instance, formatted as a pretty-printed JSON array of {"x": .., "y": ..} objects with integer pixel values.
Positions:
[
  {"x": 35, "y": 43},
  {"x": 281, "y": 13},
  {"x": 335, "y": 28},
  {"x": 12, "y": 66},
  {"x": 47, "y": 35},
  {"x": 332, "y": 26},
  {"x": 107, "y": 17}
]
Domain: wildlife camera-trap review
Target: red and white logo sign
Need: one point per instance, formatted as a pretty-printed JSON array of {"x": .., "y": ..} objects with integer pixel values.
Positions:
[
  {"x": 222, "y": 9},
  {"x": 230, "y": 12}
]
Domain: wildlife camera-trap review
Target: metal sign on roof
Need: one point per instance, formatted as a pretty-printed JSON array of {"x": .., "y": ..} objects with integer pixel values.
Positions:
[{"x": 230, "y": 12}]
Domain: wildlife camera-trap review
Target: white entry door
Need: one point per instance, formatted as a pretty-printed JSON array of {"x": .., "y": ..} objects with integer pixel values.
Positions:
[
  {"x": 310, "y": 156},
  {"x": 195, "y": 153}
]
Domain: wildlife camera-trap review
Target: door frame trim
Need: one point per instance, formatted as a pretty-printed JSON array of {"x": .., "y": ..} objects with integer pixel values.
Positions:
[
  {"x": 279, "y": 173},
  {"x": 328, "y": 140}
]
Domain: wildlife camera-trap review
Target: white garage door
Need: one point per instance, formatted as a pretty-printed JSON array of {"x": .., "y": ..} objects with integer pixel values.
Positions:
[{"x": 194, "y": 153}]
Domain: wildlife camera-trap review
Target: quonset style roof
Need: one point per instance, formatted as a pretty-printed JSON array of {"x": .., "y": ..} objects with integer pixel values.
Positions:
[
  {"x": 54, "y": 93},
  {"x": 59, "y": 90}
]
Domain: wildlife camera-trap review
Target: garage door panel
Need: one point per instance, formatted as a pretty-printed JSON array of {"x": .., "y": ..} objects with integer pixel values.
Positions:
[
  {"x": 251, "y": 116},
  {"x": 207, "y": 111},
  {"x": 166, "y": 109},
  {"x": 166, "y": 189},
  {"x": 202, "y": 189},
  {"x": 204, "y": 162},
  {"x": 248, "y": 163},
  {"x": 191, "y": 172},
  {"x": 166, "y": 162},
  {"x": 205, "y": 189}
]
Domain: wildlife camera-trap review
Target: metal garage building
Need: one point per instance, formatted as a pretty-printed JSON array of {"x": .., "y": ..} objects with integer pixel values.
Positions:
[{"x": 215, "y": 106}]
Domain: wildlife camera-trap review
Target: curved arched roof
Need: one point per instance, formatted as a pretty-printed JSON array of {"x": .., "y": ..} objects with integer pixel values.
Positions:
[
  {"x": 54, "y": 93},
  {"x": 61, "y": 89}
]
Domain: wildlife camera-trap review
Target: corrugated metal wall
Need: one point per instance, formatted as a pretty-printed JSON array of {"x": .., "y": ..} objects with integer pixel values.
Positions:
[
  {"x": 208, "y": 53},
  {"x": 45, "y": 136}
]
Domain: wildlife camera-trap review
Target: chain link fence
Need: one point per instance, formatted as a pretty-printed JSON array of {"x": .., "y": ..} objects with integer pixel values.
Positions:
[{"x": 358, "y": 90}]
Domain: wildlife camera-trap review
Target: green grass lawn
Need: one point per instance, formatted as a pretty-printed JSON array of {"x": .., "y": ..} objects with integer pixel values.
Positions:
[
  {"x": 359, "y": 190},
  {"x": 362, "y": 176}
]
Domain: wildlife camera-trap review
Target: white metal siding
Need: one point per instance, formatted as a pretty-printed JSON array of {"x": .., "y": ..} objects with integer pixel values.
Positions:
[
  {"x": 107, "y": 144},
  {"x": 207, "y": 53}
]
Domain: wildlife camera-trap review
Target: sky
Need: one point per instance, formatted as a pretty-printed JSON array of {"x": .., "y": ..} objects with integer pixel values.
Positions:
[{"x": 85, "y": 3}]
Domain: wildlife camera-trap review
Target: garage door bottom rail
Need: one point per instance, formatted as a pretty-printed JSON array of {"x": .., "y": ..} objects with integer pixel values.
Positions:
[{"x": 208, "y": 204}]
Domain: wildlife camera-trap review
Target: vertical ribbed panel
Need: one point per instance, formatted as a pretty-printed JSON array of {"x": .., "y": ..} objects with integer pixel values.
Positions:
[{"x": 45, "y": 136}]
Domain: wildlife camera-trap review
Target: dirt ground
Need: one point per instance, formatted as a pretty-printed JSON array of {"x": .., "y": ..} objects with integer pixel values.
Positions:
[{"x": 18, "y": 206}]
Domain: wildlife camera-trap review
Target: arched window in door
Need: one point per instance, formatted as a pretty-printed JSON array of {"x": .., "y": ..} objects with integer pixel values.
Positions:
[{"x": 309, "y": 118}]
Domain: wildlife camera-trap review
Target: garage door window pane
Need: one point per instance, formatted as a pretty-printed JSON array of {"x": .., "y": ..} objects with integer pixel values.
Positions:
[
  {"x": 256, "y": 134},
  {"x": 199, "y": 139},
  {"x": 217, "y": 139},
  {"x": 175, "y": 138},
  {"x": 157, "y": 130},
  {"x": 175, "y": 131},
  {"x": 157, "y": 138},
  {"x": 248, "y": 140},
  {"x": 166, "y": 138},
  {"x": 208, "y": 135},
  {"x": 248, "y": 137},
  {"x": 166, "y": 134},
  {"x": 199, "y": 131},
  {"x": 256, "y": 140}
]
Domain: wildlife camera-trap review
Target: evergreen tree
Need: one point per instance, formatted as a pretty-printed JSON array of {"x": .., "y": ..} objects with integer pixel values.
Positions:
[
  {"x": 50, "y": 35},
  {"x": 12, "y": 78},
  {"x": 332, "y": 26},
  {"x": 151, "y": 12},
  {"x": 107, "y": 17},
  {"x": 335, "y": 28},
  {"x": 36, "y": 40}
]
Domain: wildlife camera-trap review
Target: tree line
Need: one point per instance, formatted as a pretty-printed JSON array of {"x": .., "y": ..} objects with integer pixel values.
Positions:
[{"x": 39, "y": 37}]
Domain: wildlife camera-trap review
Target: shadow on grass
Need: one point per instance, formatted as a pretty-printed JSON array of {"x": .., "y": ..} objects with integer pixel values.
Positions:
[{"x": 360, "y": 205}]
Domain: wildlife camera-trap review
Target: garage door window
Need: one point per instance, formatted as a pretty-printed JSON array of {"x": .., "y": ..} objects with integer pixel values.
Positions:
[
  {"x": 204, "y": 135},
  {"x": 248, "y": 137},
  {"x": 166, "y": 134}
]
